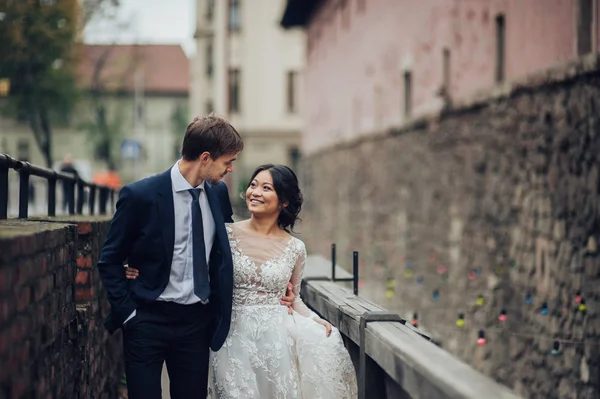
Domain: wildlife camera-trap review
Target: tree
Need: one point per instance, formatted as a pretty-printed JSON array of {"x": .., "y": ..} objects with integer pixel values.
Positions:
[
  {"x": 109, "y": 70},
  {"x": 104, "y": 129},
  {"x": 38, "y": 54}
]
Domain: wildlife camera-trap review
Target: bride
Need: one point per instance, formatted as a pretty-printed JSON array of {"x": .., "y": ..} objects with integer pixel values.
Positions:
[{"x": 270, "y": 353}]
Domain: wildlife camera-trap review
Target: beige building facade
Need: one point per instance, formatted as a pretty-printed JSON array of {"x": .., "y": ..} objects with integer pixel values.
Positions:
[
  {"x": 147, "y": 115},
  {"x": 250, "y": 70},
  {"x": 143, "y": 90}
]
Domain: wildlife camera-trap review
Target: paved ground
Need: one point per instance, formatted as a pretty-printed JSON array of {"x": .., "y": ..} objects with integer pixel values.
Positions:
[{"x": 165, "y": 384}]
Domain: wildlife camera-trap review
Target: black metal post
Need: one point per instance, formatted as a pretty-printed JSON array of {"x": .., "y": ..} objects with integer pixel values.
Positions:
[
  {"x": 332, "y": 262},
  {"x": 92, "y": 199},
  {"x": 23, "y": 193},
  {"x": 52, "y": 196},
  {"x": 3, "y": 191},
  {"x": 80, "y": 196},
  {"x": 355, "y": 271},
  {"x": 103, "y": 199},
  {"x": 365, "y": 318},
  {"x": 71, "y": 196}
]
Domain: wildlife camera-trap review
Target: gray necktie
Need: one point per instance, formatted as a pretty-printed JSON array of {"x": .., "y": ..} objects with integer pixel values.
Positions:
[{"x": 201, "y": 283}]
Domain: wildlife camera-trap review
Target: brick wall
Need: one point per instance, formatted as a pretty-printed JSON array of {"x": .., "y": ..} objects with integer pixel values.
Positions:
[
  {"x": 101, "y": 354},
  {"x": 504, "y": 193},
  {"x": 52, "y": 341}
]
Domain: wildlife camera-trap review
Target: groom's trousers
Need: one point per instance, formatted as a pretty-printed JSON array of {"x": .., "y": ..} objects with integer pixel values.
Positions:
[{"x": 173, "y": 333}]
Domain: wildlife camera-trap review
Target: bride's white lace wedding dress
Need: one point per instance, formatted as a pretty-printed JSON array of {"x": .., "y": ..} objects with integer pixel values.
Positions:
[{"x": 268, "y": 353}]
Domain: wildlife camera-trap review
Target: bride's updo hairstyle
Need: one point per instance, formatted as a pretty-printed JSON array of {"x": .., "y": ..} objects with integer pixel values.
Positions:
[{"x": 286, "y": 186}]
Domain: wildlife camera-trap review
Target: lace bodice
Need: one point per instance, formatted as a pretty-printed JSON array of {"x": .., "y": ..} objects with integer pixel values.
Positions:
[{"x": 263, "y": 266}]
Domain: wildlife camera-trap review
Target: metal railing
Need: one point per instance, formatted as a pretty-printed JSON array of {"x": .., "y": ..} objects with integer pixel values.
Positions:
[
  {"x": 365, "y": 318},
  {"x": 392, "y": 357},
  {"x": 26, "y": 169},
  {"x": 333, "y": 278}
]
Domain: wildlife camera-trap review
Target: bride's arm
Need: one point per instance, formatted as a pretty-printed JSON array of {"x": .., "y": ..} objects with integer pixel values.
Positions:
[
  {"x": 296, "y": 280},
  {"x": 298, "y": 305}
]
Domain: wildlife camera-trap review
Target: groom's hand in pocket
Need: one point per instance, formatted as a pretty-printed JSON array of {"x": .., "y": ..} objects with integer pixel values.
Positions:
[{"x": 288, "y": 299}]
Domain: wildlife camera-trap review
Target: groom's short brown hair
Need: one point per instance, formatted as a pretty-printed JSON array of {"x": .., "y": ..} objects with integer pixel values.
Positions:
[{"x": 213, "y": 134}]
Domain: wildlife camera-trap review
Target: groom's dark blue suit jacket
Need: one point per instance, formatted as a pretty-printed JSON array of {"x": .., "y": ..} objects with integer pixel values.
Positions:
[{"x": 142, "y": 233}]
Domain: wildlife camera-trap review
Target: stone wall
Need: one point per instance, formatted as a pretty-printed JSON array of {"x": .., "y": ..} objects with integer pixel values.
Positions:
[
  {"x": 52, "y": 305},
  {"x": 498, "y": 198}
]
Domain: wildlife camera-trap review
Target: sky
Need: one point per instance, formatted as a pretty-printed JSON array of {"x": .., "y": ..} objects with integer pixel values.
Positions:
[{"x": 146, "y": 22}]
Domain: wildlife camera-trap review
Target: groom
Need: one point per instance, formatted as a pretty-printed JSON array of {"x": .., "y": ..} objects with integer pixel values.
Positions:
[{"x": 171, "y": 227}]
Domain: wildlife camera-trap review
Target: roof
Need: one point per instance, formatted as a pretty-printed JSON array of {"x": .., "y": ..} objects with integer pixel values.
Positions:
[
  {"x": 165, "y": 67},
  {"x": 298, "y": 12}
]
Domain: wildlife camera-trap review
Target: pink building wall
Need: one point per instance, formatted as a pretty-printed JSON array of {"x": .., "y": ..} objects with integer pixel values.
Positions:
[{"x": 356, "y": 58}]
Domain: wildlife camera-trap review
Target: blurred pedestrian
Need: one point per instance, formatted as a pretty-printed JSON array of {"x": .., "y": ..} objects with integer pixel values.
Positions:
[{"x": 68, "y": 168}]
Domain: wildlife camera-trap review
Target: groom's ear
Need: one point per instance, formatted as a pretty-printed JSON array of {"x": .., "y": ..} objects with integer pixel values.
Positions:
[{"x": 204, "y": 157}]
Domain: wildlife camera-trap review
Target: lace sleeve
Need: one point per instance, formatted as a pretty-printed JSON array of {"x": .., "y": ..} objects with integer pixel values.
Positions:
[{"x": 296, "y": 281}]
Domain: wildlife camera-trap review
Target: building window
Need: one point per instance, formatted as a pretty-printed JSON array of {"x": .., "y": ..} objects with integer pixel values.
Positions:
[
  {"x": 209, "y": 58},
  {"x": 234, "y": 90},
  {"x": 210, "y": 9},
  {"x": 500, "y": 48},
  {"x": 23, "y": 150},
  {"x": 140, "y": 112},
  {"x": 444, "y": 91},
  {"x": 292, "y": 77},
  {"x": 294, "y": 156},
  {"x": 407, "y": 94},
  {"x": 209, "y": 106},
  {"x": 345, "y": 14},
  {"x": 362, "y": 5},
  {"x": 446, "y": 71},
  {"x": 585, "y": 26},
  {"x": 234, "y": 16}
]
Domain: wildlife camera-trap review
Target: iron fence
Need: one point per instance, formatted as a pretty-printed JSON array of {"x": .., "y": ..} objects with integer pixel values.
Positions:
[{"x": 73, "y": 184}]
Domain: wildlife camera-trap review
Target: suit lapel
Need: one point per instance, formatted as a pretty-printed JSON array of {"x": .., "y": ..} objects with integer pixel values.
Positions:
[{"x": 166, "y": 210}]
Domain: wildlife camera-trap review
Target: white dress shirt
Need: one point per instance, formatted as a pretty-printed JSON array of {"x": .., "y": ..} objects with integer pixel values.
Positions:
[{"x": 180, "y": 288}]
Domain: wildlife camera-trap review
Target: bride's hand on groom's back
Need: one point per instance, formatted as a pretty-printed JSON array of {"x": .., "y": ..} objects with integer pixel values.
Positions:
[
  {"x": 288, "y": 299},
  {"x": 131, "y": 273}
]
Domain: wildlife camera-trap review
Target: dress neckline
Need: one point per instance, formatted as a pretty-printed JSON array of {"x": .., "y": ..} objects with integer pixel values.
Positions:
[{"x": 249, "y": 232}]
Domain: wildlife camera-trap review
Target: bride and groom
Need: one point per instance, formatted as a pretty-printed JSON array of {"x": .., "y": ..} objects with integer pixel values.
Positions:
[{"x": 206, "y": 295}]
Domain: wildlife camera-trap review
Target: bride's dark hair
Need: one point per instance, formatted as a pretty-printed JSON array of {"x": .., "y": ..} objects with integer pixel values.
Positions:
[{"x": 286, "y": 186}]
